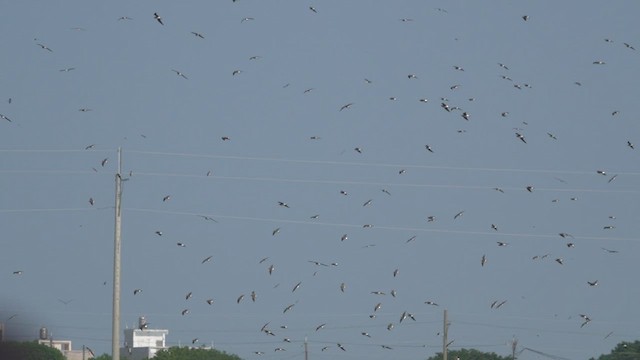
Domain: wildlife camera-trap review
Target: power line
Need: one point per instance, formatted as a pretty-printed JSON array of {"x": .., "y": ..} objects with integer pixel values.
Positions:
[
  {"x": 393, "y": 228},
  {"x": 345, "y": 163},
  {"x": 318, "y": 162}
]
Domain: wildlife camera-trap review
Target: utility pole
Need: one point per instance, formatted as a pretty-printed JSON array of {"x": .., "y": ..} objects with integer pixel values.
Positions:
[
  {"x": 514, "y": 344},
  {"x": 445, "y": 330},
  {"x": 115, "y": 335},
  {"x": 306, "y": 349}
]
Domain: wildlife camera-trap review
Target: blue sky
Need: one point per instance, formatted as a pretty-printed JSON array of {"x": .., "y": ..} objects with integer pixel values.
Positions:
[{"x": 288, "y": 141}]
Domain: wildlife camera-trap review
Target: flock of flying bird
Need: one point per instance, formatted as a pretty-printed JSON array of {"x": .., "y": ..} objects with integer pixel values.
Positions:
[{"x": 267, "y": 268}]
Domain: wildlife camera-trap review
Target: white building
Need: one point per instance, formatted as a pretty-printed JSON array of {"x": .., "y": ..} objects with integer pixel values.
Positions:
[
  {"x": 143, "y": 343},
  {"x": 64, "y": 346}
]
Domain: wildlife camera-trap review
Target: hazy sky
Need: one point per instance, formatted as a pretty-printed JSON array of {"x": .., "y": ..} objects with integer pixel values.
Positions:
[{"x": 232, "y": 107}]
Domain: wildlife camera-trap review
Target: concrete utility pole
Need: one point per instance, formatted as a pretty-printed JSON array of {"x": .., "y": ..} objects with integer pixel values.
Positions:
[
  {"x": 306, "y": 350},
  {"x": 115, "y": 335},
  {"x": 445, "y": 330},
  {"x": 514, "y": 345}
]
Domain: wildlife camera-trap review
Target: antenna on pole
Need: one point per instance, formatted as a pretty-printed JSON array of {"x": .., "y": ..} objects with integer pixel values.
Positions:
[{"x": 115, "y": 335}]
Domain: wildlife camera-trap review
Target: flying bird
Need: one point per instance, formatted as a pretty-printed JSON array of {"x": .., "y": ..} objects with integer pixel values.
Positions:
[
  {"x": 198, "y": 34},
  {"x": 181, "y": 244},
  {"x": 239, "y": 298},
  {"x": 45, "y": 47},
  {"x": 179, "y": 73},
  {"x": 137, "y": 291},
  {"x": 208, "y": 258},
  {"x": 429, "y": 149},
  {"x": 313, "y": 9},
  {"x": 91, "y": 201},
  {"x": 592, "y": 283},
  {"x": 4, "y": 117},
  {"x": 166, "y": 198},
  {"x": 158, "y": 18},
  {"x": 429, "y": 302},
  {"x": 274, "y": 232},
  {"x": 296, "y": 286},
  {"x": 346, "y": 106},
  {"x": 586, "y": 319},
  {"x": 458, "y": 215},
  {"x": 184, "y": 312}
]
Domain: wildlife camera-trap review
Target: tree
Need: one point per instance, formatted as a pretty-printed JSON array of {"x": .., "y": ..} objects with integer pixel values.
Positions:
[
  {"x": 30, "y": 350},
  {"x": 623, "y": 351},
  {"x": 186, "y": 353},
  {"x": 103, "y": 357},
  {"x": 469, "y": 354}
]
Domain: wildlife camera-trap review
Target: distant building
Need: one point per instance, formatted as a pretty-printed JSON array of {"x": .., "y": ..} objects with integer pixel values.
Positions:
[
  {"x": 143, "y": 343},
  {"x": 63, "y": 345}
]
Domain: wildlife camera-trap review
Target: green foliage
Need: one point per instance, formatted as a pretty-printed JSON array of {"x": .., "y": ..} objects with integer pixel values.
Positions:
[
  {"x": 185, "y": 353},
  {"x": 28, "y": 351},
  {"x": 623, "y": 351},
  {"x": 469, "y": 354},
  {"x": 103, "y": 357}
]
